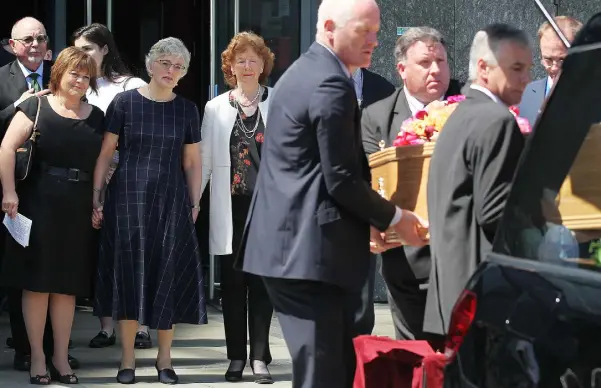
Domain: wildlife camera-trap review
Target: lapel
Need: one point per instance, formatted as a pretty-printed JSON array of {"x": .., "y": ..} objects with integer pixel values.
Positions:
[
  {"x": 264, "y": 106},
  {"x": 538, "y": 88},
  {"x": 17, "y": 79},
  {"x": 400, "y": 113}
]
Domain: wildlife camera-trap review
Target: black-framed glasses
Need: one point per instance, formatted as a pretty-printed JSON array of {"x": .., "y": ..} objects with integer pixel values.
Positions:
[{"x": 28, "y": 40}]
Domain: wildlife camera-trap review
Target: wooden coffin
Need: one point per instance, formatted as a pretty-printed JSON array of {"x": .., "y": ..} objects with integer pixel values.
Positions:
[{"x": 400, "y": 174}]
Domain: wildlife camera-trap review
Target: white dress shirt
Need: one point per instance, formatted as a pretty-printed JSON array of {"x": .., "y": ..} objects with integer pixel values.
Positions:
[{"x": 487, "y": 92}]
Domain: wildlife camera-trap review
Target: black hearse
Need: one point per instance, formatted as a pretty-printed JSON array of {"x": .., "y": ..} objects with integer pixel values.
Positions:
[{"x": 531, "y": 314}]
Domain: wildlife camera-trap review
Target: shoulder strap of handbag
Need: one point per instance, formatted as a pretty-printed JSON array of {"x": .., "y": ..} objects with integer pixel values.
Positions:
[
  {"x": 125, "y": 83},
  {"x": 34, "y": 130}
]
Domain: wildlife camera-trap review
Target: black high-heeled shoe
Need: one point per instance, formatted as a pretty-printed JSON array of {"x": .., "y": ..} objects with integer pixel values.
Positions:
[
  {"x": 39, "y": 379},
  {"x": 69, "y": 378},
  {"x": 126, "y": 376},
  {"x": 167, "y": 375}
]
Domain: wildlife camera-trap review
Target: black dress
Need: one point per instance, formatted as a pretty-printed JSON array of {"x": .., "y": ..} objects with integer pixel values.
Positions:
[
  {"x": 62, "y": 245},
  {"x": 149, "y": 264}
]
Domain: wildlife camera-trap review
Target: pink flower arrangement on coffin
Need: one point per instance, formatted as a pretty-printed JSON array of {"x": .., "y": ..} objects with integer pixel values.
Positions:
[{"x": 427, "y": 123}]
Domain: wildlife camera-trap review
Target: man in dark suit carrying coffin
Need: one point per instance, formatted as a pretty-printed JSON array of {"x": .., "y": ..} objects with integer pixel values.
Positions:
[
  {"x": 421, "y": 59},
  {"x": 23, "y": 78},
  {"x": 370, "y": 88},
  {"x": 313, "y": 210},
  {"x": 473, "y": 165}
]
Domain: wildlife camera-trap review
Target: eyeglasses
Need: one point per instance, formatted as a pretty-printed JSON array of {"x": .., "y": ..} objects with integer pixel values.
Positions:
[
  {"x": 550, "y": 62},
  {"x": 166, "y": 65},
  {"x": 28, "y": 40}
]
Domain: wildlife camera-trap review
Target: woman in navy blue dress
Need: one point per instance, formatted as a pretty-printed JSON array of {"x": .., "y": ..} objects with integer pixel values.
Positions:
[{"x": 149, "y": 265}]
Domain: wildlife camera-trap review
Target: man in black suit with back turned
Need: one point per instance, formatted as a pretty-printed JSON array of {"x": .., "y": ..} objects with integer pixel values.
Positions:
[
  {"x": 23, "y": 78},
  {"x": 422, "y": 64},
  {"x": 313, "y": 210},
  {"x": 473, "y": 165}
]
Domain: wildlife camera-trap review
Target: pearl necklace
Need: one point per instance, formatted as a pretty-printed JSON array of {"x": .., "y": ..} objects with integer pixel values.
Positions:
[{"x": 253, "y": 100}]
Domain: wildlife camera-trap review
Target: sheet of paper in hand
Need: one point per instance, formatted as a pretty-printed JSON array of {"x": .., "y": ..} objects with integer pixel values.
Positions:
[{"x": 19, "y": 228}]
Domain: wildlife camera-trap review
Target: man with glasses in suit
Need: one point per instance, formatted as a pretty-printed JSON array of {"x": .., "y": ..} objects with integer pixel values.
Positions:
[
  {"x": 553, "y": 52},
  {"x": 26, "y": 76}
]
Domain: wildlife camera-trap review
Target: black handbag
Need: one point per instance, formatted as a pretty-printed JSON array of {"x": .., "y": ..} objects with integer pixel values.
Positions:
[{"x": 24, "y": 154}]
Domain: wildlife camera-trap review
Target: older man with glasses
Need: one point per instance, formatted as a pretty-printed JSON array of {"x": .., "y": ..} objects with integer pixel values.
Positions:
[
  {"x": 26, "y": 76},
  {"x": 553, "y": 52}
]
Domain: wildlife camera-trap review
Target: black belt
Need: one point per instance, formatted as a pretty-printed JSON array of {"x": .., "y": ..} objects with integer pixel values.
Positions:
[{"x": 71, "y": 174}]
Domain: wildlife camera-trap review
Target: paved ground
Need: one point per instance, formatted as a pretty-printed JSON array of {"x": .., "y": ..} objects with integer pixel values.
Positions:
[{"x": 198, "y": 352}]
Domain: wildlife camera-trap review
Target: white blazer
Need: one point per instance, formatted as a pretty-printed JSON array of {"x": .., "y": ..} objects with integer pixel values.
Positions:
[{"x": 217, "y": 125}]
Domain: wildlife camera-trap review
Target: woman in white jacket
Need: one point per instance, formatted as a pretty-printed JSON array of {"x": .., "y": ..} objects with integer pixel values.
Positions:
[{"x": 233, "y": 129}]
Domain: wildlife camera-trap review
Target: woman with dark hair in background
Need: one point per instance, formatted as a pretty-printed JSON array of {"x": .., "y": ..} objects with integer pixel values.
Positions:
[{"x": 113, "y": 78}]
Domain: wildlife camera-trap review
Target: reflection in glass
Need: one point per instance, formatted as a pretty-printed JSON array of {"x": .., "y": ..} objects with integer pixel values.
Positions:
[{"x": 278, "y": 22}]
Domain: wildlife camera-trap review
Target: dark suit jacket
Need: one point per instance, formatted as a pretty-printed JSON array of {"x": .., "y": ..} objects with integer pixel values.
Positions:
[
  {"x": 313, "y": 204},
  {"x": 375, "y": 88},
  {"x": 470, "y": 177},
  {"x": 12, "y": 86},
  {"x": 382, "y": 121},
  {"x": 5, "y": 57}
]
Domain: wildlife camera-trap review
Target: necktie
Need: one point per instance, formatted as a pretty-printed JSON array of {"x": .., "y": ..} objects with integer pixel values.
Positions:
[{"x": 34, "y": 82}]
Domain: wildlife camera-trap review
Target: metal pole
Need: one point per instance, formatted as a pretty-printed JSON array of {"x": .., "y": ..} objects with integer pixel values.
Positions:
[
  {"x": 236, "y": 16},
  {"x": 212, "y": 48},
  {"x": 553, "y": 24},
  {"x": 88, "y": 11},
  {"x": 109, "y": 14}
]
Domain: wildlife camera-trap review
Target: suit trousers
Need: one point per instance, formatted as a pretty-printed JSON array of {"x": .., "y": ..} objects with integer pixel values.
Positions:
[
  {"x": 18, "y": 329},
  {"x": 239, "y": 290},
  {"x": 362, "y": 302},
  {"x": 318, "y": 329},
  {"x": 407, "y": 300},
  {"x": 244, "y": 295}
]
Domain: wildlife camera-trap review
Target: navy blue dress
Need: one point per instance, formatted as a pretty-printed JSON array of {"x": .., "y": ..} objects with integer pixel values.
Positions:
[{"x": 149, "y": 264}]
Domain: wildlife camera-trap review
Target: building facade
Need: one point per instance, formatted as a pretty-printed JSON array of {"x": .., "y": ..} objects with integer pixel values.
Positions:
[{"x": 206, "y": 26}]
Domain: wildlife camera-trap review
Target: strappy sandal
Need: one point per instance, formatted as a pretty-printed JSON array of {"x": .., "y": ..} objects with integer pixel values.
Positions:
[
  {"x": 40, "y": 379},
  {"x": 69, "y": 378}
]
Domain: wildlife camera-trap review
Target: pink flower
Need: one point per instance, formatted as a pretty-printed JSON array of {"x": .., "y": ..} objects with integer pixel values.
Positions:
[
  {"x": 515, "y": 110},
  {"x": 421, "y": 114},
  {"x": 524, "y": 125},
  {"x": 456, "y": 98}
]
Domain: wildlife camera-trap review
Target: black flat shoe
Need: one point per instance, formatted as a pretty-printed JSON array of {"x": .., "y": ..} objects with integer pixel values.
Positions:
[
  {"x": 235, "y": 370},
  {"x": 69, "y": 378},
  {"x": 39, "y": 379},
  {"x": 103, "y": 340},
  {"x": 143, "y": 340},
  {"x": 261, "y": 378},
  {"x": 167, "y": 375},
  {"x": 126, "y": 376},
  {"x": 233, "y": 376}
]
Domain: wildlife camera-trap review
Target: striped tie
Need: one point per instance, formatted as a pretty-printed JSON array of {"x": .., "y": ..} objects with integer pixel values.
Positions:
[{"x": 34, "y": 82}]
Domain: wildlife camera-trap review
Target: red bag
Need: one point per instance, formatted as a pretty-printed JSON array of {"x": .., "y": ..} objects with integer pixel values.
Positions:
[{"x": 386, "y": 363}]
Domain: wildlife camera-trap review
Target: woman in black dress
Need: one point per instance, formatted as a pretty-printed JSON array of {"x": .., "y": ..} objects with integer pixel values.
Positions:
[
  {"x": 57, "y": 197},
  {"x": 149, "y": 265}
]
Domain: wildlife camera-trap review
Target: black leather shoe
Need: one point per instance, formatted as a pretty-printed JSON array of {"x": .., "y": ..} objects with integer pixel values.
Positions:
[
  {"x": 22, "y": 362},
  {"x": 55, "y": 375},
  {"x": 143, "y": 340},
  {"x": 73, "y": 362},
  {"x": 103, "y": 340},
  {"x": 126, "y": 376},
  {"x": 167, "y": 375}
]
